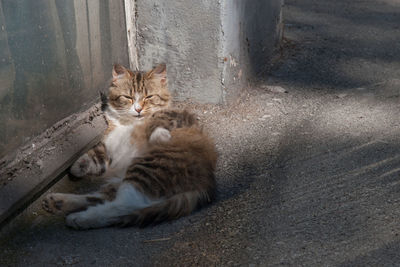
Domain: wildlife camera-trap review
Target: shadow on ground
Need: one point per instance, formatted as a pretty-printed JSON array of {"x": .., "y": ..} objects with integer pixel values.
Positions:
[{"x": 340, "y": 44}]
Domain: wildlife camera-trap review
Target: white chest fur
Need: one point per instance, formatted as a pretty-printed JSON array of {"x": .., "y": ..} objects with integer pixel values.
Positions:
[{"x": 120, "y": 149}]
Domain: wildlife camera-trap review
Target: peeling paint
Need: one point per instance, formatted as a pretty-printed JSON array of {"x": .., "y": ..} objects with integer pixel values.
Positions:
[{"x": 232, "y": 61}]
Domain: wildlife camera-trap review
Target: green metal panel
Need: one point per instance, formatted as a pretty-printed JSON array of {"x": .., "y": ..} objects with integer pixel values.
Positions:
[{"x": 54, "y": 57}]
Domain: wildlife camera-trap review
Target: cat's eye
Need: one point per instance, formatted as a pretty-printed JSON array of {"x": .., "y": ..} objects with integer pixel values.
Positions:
[
  {"x": 152, "y": 97},
  {"x": 125, "y": 99}
]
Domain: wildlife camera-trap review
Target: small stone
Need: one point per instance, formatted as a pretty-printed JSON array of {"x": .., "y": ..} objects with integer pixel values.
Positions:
[
  {"x": 276, "y": 89},
  {"x": 40, "y": 163},
  {"x": 343, "y": 95},
  {"x": 278, "y": 100},
  {"x": 263, "y": 118},
  {"x": 70, "y": 260}
]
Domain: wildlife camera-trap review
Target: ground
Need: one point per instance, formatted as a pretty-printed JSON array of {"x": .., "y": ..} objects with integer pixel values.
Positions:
[{"x": 307, "y": 177}]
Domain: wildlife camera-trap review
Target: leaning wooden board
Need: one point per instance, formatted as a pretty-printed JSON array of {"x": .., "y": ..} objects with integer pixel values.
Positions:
[{"x": 42, "y": 168}]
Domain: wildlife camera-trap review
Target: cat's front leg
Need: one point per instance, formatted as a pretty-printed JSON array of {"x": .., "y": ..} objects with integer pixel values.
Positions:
[
  {"x": 92, "y": 163},
  {"x": 64, "y": 204}
]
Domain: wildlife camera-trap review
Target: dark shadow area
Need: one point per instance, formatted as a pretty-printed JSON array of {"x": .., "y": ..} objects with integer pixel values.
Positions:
[
  {"x": 329, "y": 197},
  {"x": 339, "y": 45},
  {"x": 386, "y": 255},
  {"x": 260, "y": 17}
]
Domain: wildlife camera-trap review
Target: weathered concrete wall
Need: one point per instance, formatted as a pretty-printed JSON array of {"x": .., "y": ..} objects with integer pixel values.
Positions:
[
  {"x": 186, "y": 35},
  {"x": 211, "y": 47}
]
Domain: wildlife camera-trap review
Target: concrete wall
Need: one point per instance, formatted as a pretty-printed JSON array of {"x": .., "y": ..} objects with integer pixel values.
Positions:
[
  {"x": 212, "y": 48},
  {"x": 186, "y": 35}
]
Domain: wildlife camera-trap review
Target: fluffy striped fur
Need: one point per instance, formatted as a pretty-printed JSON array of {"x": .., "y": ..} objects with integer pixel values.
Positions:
[{"x": 158, "y": 163}]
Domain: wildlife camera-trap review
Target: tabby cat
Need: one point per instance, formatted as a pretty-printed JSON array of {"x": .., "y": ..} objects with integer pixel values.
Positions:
[{"x": 158, "y": 163}]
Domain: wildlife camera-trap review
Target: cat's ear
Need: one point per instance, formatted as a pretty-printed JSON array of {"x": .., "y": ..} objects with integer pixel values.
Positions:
[
  {"x": 159, "y": 73},
  {"x": 120, "y": 72}
]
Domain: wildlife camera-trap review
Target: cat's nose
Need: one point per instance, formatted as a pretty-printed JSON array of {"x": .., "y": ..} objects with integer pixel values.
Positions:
[{"x": 138, "y": 109}]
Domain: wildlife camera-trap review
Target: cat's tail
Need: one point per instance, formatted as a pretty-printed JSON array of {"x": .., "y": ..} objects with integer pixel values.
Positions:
[{"x": 172, "y": 208}]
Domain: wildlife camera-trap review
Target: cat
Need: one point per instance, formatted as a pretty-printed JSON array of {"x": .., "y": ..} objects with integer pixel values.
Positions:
[{"x": 158, "y": 163}]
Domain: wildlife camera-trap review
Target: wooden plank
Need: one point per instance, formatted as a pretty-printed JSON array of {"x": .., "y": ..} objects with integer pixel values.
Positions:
[{"x": 49, "y": 164}]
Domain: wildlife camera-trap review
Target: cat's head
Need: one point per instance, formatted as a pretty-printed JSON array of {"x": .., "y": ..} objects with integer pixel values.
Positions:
[{"x": 134, "y": 95}]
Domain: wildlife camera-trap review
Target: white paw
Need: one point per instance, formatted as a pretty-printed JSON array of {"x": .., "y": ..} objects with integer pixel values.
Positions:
[
  {"x": 77, "y": 221},
  {"x": 54, "y": 203},
  {"x": 89, "y": 219},
  {"x": 160, "y": 135},
  {"x": 82, "y": 166}
]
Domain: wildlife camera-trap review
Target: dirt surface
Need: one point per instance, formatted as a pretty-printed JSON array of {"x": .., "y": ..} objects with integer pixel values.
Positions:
[{"x": 306, "y": 177}]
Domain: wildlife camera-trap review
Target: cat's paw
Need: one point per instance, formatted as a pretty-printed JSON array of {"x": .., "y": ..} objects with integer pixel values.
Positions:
[
  {"x": 160, "y": 135},
  {"x": 85, "y": 220},
  {"x": 82, "y": 166},
  {"x": 76, "y": 221},
  {"x": 53, "y": 203}
]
